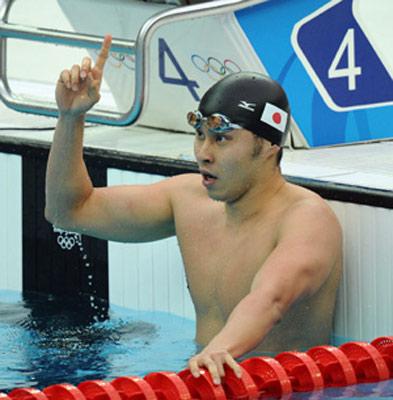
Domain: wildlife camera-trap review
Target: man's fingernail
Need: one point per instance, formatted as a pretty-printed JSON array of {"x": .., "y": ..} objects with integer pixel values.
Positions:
[
  {"x": 83, "y": 74},
  {"x": 75, "y": 88},
  {"x": 217, "y": 381}
]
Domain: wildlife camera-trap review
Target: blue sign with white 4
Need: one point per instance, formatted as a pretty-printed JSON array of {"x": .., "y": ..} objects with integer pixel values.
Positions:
[{"x": 335, "y": 45}]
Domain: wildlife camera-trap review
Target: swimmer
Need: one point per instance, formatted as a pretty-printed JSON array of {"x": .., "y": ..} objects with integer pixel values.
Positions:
[{"x": 262, "y": 256}]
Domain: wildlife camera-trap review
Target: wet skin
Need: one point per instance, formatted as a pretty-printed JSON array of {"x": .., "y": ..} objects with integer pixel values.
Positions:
[
  {"x": 222, "y": 260},
  {"x": 226, "y": 238},
  {"x": 262, "y": 256}
]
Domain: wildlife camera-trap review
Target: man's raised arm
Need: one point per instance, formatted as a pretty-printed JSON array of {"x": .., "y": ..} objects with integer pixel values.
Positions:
[{"x": 124, "y": 213}]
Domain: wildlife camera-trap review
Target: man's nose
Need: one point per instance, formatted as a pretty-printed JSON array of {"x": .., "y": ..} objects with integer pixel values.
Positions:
[{"x": 204, "y": 152}]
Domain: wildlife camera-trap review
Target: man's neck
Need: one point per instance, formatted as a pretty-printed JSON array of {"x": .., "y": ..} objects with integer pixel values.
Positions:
[{"x": 257, "y": 200}]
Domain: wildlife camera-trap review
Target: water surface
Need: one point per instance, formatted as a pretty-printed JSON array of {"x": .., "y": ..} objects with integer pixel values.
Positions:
[{"x": 46, "y": 340}]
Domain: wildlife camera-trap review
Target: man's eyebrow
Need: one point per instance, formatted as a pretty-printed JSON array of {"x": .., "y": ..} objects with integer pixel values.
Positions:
[{"x": 225, "y": 133}]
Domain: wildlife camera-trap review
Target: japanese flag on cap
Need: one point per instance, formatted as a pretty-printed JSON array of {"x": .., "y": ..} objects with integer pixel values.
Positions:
[{"x": 275, "y": 117}]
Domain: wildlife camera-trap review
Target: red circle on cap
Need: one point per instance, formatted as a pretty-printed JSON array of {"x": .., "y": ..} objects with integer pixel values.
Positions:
[{"x": 276, "y": 117}]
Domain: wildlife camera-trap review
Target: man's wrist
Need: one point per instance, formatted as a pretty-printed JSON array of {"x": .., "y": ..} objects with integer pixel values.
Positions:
[
  {"x": 69, "y": 118},
  {"x": 225, "y": 344},
  {"x": 217, "y": 344}
]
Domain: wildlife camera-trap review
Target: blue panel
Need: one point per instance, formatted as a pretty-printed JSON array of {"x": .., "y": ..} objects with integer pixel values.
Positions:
[{"x": 328, "y": 110}]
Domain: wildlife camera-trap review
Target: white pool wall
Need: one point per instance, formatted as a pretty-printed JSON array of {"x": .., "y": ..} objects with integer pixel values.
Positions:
[
  {"x": 365, "y": 306},
  {"x": 10, "y": 222},
  {"x": 147, "y": 276},
  {"x": 150, "y": 276}
]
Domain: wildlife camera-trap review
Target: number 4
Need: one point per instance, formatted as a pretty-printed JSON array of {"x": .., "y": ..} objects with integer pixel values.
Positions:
[
  {"x": 164, "y": 50},
  {"x": 352, "y": 71}
]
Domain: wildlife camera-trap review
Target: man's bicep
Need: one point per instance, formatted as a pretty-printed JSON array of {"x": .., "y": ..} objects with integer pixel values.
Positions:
[
  {"x": 130, "y": 213},
  {"x": 308, "y": 247}
]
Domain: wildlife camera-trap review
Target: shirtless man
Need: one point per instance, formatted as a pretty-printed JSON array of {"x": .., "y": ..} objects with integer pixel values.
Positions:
[{"x": 262, "y": 256}]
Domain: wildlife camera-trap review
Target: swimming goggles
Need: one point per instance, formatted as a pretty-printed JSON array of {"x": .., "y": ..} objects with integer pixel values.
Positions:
[{"x": 216, "y": 123}]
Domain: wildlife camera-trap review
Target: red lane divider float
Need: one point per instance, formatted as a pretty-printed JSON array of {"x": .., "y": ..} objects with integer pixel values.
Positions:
[
  {"x": 269, "y": 376},
  {"x": 290, "y": 371},
  {"x": 242, "y": 389},
  {"x": 384, "y": 345},
  {"x": 63, "y": 391},
  {"x": 168, "y": 386},
  {"x": 99, "y": 390},
  {"x": 133, "y": 387},
  {"x": 202, "y": 387},
  {"x": 302, "y": 371},
  {"x": 334, "y": 365},
  {"x": 367, "y": 362},
  {"x": 27, "y": 394}
]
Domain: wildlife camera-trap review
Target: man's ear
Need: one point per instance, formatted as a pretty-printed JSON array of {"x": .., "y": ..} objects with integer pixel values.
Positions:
[{"x": 273, "y": 149}]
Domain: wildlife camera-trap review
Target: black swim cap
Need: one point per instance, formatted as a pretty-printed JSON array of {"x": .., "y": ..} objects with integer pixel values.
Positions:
[{"x": 254, "y": 101}]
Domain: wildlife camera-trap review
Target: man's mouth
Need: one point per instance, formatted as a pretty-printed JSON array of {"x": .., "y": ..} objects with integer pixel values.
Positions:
[{"x": 208, "y": 179}]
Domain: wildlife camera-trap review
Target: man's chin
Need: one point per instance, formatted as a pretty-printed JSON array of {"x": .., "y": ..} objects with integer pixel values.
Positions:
[
  {"x": 228, "y": 198},
  {"x": 214, "y": 195}
]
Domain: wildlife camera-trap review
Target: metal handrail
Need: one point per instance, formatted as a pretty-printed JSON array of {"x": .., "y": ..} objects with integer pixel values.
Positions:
[{"x": 139, "y": 47}]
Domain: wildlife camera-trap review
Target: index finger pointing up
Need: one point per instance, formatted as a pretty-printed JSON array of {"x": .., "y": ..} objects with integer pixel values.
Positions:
[{"x": 104, "y": 52}]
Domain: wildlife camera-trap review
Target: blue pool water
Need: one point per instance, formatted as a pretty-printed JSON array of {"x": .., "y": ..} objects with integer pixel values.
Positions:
[
  {"x": 381, "y": 391},
  {"x": 47, "y": 340}
]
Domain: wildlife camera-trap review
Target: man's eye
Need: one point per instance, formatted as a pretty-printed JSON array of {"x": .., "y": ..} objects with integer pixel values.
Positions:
[{"x": 221, "y": 138}]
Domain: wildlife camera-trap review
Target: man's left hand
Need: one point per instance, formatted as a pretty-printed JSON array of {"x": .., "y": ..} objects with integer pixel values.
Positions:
[{"x": 213, "y": 361}]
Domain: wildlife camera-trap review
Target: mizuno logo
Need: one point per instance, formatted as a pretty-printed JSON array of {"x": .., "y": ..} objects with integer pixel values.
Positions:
[{"x": 247, "y": 106}]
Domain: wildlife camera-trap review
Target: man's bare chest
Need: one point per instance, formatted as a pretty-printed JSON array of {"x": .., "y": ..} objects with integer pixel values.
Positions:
[{"x": 221, "y": 261}]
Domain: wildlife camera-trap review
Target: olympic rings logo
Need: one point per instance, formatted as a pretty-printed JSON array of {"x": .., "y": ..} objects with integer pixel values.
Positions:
[
  {"x": 213, "y": 67},
  {"x": 119, "y": 60},
  {"x": 67, "y": 240}
]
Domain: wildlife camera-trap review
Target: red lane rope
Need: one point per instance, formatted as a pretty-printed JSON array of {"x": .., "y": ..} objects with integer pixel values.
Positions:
[{"x": 291, "y": 371}]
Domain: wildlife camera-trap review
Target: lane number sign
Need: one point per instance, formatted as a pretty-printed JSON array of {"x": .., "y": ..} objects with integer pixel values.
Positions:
[{"x": 345, "y": 47}]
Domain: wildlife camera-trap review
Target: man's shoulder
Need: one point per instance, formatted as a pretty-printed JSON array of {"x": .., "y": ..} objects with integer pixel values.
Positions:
[
  {"x": 189, "y": 197},
  {"x": 310, "y": 224},
  {"x": 303, "y": 198},
  {"x": 185, "y": 181},
  {"x": 188, "y": 184},
  {"x": 308, "y": 207}
]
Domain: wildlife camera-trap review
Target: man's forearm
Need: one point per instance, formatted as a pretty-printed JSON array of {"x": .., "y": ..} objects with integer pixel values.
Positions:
[
  {"x": 248, "y": 324},
  {"x": 67, "y": 180}
]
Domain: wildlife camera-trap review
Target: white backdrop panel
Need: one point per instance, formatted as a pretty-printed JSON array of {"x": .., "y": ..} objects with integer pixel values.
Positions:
[
  {"x": 147, "y": 276},
  {"x": 11, "y": 222}
]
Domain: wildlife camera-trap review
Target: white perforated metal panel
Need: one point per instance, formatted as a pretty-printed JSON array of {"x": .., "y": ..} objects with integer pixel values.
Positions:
[
  {"x": 364, "y": 309},
  {"x": 147, "y": 276},
  {"x": 150, "y": 276},
  {"x": 11, "y": 222}
]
